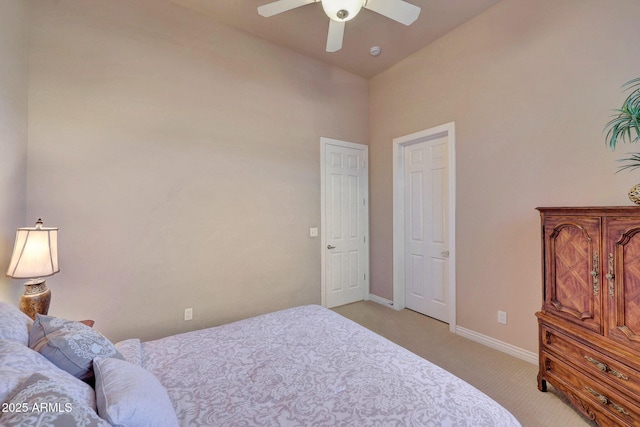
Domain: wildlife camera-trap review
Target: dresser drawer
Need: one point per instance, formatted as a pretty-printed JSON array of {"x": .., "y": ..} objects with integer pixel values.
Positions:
[
  {"x": 595, "y": 364},
  {"x": 592, "y": 394}
]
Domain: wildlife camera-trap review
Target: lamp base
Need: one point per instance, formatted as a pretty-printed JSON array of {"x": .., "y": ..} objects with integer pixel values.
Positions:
[{"x": 36, "y": 298}]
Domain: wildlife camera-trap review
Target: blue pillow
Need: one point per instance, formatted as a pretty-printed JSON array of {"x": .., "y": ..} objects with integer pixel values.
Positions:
[{"x": 70, "y": 345}]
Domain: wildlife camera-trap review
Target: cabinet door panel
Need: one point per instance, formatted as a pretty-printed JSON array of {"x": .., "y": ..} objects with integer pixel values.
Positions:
[
  {"x": 572, "y": 269},
  {"x": 623, "y": 288}
]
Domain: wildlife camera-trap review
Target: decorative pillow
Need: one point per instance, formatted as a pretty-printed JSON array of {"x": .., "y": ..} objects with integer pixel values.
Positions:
[
  {"x": 41, "y": 401},
  {"x": 70, "y": 345},
  {"x": 131, "y": 350},
  {"x": 18, "y": 362},
  {"x": 129, "y": 395},
  {"x": 14, "y": 324}
]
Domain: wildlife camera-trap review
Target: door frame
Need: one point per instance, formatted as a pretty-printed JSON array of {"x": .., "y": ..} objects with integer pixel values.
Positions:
[
  {"x": 324, "y": 142},
  {"x": 399, "y": 279}
]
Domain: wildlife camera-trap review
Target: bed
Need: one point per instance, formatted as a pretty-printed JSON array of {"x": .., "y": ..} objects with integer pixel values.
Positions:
[{"x": 304, "y": 366}]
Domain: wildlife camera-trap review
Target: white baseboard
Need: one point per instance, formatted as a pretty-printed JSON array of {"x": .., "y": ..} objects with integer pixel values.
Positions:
[
  {"x": 502, "y": 346},
  {"x": 380, "y": 300}
]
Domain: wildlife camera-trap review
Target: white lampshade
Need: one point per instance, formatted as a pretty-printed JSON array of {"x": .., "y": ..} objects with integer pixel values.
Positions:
[
  {"x": 35, "y": 253},
  {"x": 335, "y": 9}
]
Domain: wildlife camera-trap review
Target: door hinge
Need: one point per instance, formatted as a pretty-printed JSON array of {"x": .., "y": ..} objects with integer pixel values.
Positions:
[
  {"x": 365, "y": 276},
  {"x": 364, "y": 239}
]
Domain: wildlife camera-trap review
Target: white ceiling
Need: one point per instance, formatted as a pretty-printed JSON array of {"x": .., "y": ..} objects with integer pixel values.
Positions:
[{"x": 304, "y": 29}]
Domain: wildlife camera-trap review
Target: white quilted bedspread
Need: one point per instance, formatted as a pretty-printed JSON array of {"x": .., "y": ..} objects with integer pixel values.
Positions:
[{"x": 309, "y": 366}]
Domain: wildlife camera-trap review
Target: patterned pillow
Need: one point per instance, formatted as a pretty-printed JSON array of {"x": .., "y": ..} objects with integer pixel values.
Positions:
[
  {"x": 18, "y": 362},
  {"x": 41, "y": 401},
  {"x": 131, "y": 350},
  {"x": 129, "y": 395},
  {"x": 14, "y": 324},
  {"x": 70, "y": 345}
]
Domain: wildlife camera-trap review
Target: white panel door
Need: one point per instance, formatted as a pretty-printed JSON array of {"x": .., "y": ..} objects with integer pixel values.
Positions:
[
  {"x": 345, "y": 223},
  {"x": 426, "y": 234}
]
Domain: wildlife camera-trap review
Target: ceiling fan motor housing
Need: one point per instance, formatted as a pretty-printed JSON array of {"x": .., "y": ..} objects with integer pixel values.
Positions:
[{"x": 342, "y": 10}]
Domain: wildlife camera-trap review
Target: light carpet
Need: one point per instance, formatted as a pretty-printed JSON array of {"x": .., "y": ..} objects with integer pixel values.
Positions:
[{"x": 507, "y": 379}]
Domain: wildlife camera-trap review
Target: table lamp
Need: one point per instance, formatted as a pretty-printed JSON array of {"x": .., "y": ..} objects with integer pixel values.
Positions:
[{"x": 35, "y": 255}]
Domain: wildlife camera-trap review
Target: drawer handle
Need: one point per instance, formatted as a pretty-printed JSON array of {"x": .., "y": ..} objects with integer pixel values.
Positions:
[
  {"x": 620, "y": 409},
  {"x": 605, "y": 401},
  {"x": 619, "y": 375},
  {"x": 604, "y": 368},
  {"x": 601, "y": 398},
  {"x": 600, "y": 365}
]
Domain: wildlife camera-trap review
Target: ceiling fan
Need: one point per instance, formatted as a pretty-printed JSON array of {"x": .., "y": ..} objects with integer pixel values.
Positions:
[{"x": 341, "y": 11}]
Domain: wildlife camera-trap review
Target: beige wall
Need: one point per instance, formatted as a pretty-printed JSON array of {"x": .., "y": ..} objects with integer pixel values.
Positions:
[
  {"x": 530, "y": 85},
  {"x": 13, "y": 133},
  {"x": 180, "y": 160}
]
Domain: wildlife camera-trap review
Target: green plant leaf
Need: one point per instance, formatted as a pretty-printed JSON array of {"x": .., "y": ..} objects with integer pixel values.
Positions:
[
  {"x": 633, "y": 162},
  {"x": 626, "y": 121}
]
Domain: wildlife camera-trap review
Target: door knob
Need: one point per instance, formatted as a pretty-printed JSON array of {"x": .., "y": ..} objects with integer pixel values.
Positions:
[
  {"x": 330, "y": 247},
  {"x": 445, "y": 254}
]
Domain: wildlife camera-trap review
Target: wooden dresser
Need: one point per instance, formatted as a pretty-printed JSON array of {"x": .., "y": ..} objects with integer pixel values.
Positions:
[{"x": 590, "y": 319}]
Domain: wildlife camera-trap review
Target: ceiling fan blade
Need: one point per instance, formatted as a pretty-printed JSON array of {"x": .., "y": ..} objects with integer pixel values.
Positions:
[
  {"x": 280, "y": 6},
  {"x": 336, "y": 33},
  {"x": 398, "y": 10}
]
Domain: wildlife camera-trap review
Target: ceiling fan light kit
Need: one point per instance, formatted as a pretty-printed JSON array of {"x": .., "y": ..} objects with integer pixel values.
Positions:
[{"x": 340, "y": 11}]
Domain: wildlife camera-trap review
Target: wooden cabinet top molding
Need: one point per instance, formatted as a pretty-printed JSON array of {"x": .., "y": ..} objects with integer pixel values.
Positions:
[{"x": 592, "y": 210}]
